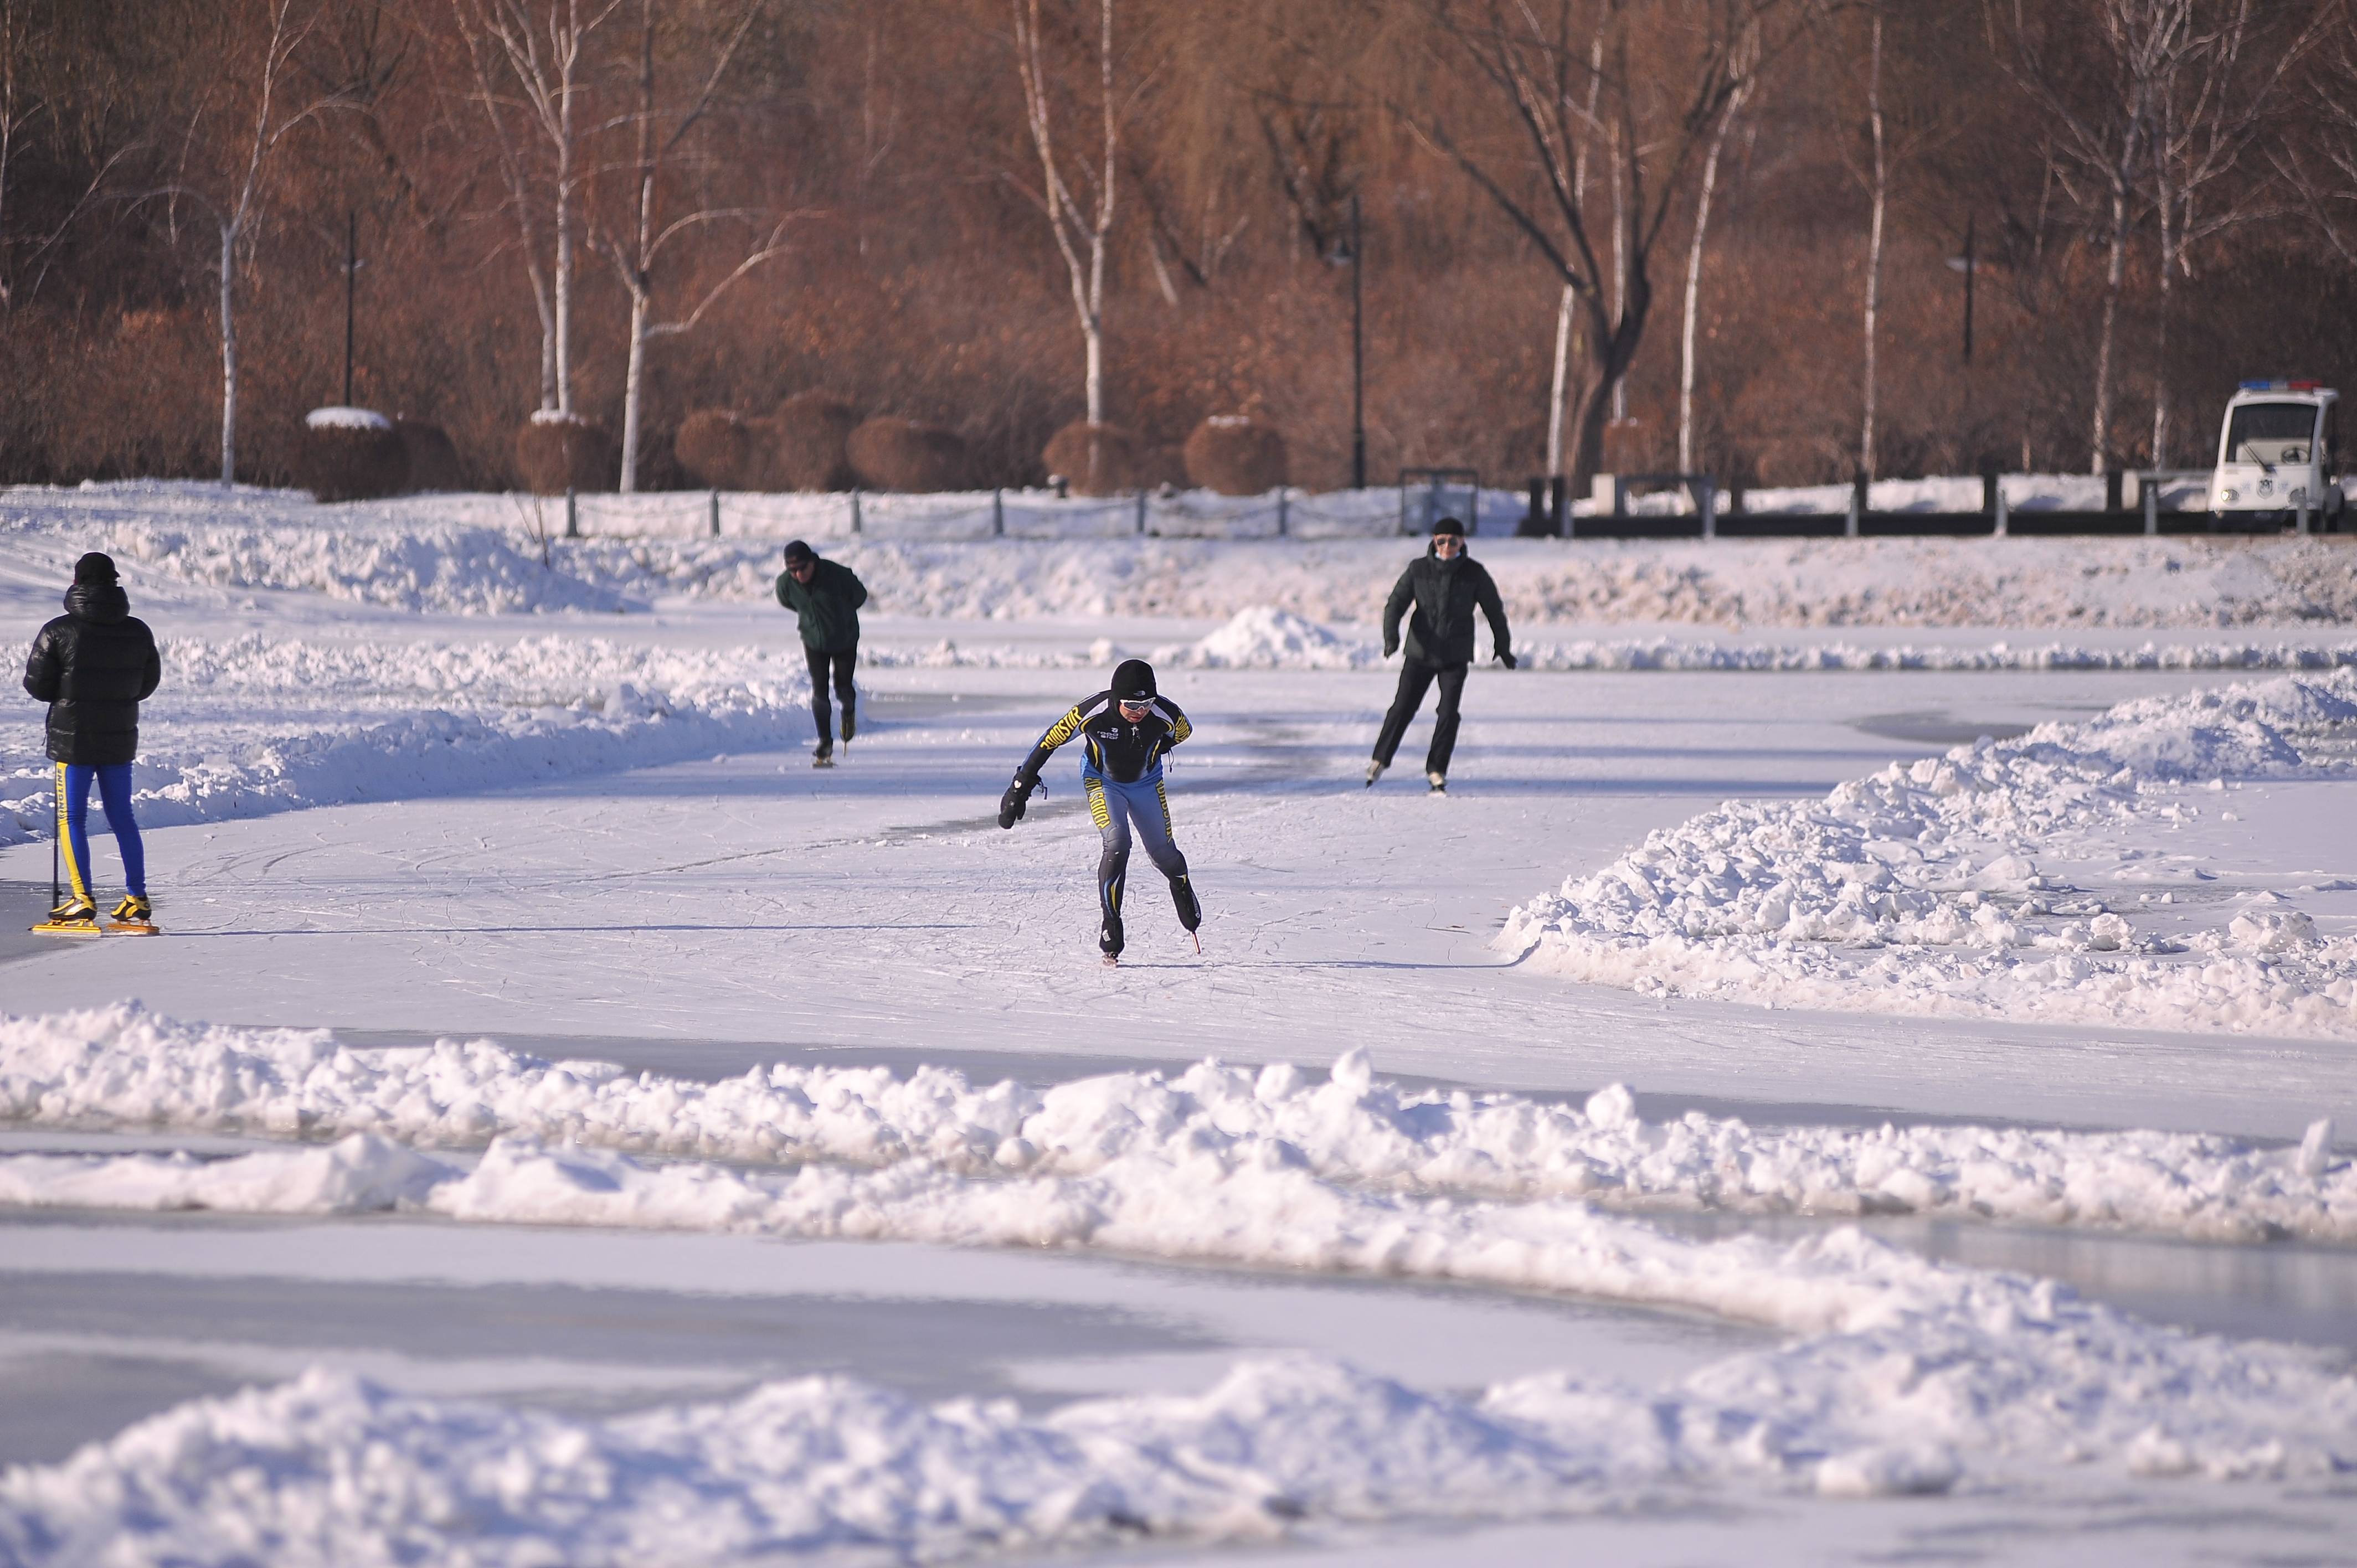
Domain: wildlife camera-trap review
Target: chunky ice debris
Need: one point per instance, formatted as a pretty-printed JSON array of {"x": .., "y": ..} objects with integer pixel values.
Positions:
[
  {"x": 123, "y": 1065},
  {"x": 1922, "y": 889}
]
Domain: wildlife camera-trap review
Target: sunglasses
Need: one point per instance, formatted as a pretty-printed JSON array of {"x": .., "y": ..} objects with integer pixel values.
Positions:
[{"x": 1134, "y": 710}]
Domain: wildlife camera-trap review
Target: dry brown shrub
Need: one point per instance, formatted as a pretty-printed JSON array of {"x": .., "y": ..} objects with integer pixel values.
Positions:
[
  {"x": 1160, "y": 466},
  {"x": 809, "y": 443},
  {"x": 433, "y": 459},
  {"x": 353, "y": 462},
  {"x": 715, "y": 448},
  {"x": 1235, "y": 456},
  {"x": 557, "y": 453},
  {"x": 889, "y": 453},
  {"x": 1099, "y": 459}
]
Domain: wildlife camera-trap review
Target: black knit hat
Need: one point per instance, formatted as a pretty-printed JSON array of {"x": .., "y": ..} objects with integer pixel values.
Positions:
[
  {"x": 797, "y": 552},
  {"x": 1134, "y": 682},
  {"x": 1449, "y": 525},
  {"x": 95, "y": 570}
]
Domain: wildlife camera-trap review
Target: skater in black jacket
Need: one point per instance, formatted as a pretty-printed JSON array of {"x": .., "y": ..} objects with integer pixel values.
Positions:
[
  {"x": 825, "y": 596},
  {"x": 1128, "y": 727},
  {"x": 1445, "y": 587},
  {"x": 95, "y": 665}
]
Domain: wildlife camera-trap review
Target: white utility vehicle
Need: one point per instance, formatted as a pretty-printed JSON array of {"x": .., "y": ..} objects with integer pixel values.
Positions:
[{"x": 2279, "y": 452}]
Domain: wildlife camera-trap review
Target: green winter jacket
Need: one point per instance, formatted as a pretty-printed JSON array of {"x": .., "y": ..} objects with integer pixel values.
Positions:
[{"x": 828, "y": 607}]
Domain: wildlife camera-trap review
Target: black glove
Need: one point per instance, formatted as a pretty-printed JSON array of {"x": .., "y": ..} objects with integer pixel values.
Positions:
[
  {"x": 1010, "y": 805},
  {"x": 1390, "y": 649},
  {"x": 1505, "y": 659}
]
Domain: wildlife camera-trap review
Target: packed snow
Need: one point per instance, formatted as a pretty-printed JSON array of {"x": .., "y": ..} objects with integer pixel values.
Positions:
[
  {"x": 257, "y": 724},
  {"x": 1935, "y": 887},
  {"x": 126, "y": 1066},
  {"x": 495, "y": 555},
  {"x": 340, "y": 418}
]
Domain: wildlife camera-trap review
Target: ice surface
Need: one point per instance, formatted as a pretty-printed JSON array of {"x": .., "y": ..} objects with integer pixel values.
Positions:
[
  {"x": 126, "y": 1066},
  {"x": 1919, "y": 889}
]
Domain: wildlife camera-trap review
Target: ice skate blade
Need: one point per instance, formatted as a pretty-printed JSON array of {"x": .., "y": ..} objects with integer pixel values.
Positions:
[
  {"x": 65, "y": 928},
  {"x": 134, "y": 928},
  {"x": 1113, "y": 961}
]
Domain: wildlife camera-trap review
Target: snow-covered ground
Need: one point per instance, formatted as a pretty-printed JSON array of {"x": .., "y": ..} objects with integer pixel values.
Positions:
[{"x": 563, "y": 1126}]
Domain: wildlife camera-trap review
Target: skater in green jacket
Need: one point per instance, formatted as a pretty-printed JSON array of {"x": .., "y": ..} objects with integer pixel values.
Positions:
[{"x": 825, "y": 596}]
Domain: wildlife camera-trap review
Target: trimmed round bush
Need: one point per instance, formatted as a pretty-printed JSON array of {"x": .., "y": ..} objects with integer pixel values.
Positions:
[
  {"x": 351, "y": 454},
  {"x": 561, "y": 452},
  {"x": 889, "y": 453},
  {"x": 1098, "y": 460},
  {"x": 809, "y": 443},
  {"x": 715, "y": 448},
  {"x": 433, "y": 457},
  {"x": 1235, "y": 456}
]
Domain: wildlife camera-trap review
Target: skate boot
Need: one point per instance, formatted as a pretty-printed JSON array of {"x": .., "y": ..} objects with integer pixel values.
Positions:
[
  {"x": 1437, "y": 779},
  {"x": 75, "y": 916},
  {"x": 1374, "y": 771},
  {"x": 824, "y": 755},
  {"x": 1109, "y": 940},
  {"x": 133, "y": 910},
  {"x": 850, "y": 725},
  {"x": 1191, "y": 912}
]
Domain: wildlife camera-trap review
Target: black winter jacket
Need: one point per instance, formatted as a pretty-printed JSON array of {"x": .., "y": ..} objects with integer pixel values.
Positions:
[
  {"x": 828, "y": 608},
  {"x": 94, "y": 665},
  {"x": 1446, "y": 594}
]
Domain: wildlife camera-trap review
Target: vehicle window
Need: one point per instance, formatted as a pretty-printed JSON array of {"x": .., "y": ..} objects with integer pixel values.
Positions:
[{"x": 2271, "y": 432}]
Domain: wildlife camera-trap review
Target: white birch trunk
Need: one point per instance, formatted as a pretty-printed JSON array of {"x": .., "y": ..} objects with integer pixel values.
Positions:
[
  {"x": 1873, "y": 246},
  {"x": 1619, "y": 269},
  {"x": 564, "y": 280},
  {"x": 632, "y": 378},
  {"x": 1562, "y": 375},
  {"x": 1694, "y": 286},
  {"x": 229, "y": 354},
  {"x": 2112, "y": 278}
]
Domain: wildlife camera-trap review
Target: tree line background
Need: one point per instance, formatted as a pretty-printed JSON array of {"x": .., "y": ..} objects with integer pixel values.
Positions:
[{"x": 1642, "y": 234}]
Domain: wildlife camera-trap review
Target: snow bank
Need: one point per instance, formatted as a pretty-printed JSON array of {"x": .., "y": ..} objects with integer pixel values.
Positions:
[
  {"x": 1265, "y": 638},
  {"x": 259, "y": 724},
  {"x": 122, "y": 1065},
  {"x": 345, "y": 419},
  {"x": 477, "y": 555},
  {"x": 1909, "y": 1376},
  {"x": 1919, "y": 889}
]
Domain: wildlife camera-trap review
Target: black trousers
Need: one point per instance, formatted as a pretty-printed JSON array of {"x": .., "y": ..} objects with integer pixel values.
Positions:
[
  {"x": 842, "y": 661},
  {"x": 1415, "y": 676}
]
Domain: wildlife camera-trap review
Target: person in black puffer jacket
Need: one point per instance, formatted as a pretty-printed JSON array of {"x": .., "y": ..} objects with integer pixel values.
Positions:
[
  {"x": 825, "y": 596},
  {"x": 1446, "y": 587},
  {"x": 95, "y": 665}
]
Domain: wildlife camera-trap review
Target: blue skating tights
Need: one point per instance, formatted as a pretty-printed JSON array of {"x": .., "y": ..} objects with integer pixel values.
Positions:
[{"x": 74, "y": 824}]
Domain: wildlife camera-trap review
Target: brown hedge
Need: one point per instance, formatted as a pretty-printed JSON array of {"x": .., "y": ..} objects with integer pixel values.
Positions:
[
  {"x": 1098, "y": 460},
  {"x": 809, "y": 443},
  {"x": 889, "y": 453},
  {"x": 1236, "y": 456},
  {"x": 348, "y": 463},
  {"x": 715, "y": 448},
  {"x": 433, "y": 456},
  {"x": 557, "y": 455}
]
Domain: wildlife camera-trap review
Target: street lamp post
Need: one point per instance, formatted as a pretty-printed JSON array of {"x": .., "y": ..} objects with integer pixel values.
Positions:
[{"x": 352, "y": 285}]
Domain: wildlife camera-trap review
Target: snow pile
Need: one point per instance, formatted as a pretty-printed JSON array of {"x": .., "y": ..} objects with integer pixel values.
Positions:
[
  {"x": 1919, "y": 889},
  {"x": 1265, "y": 638},
  {"x": 345, "y": 419},
  {"x": 479, "y": 554},
  {"x": 123, "y": 1065},
  {"x": 259, "y": 724},
  {"x": 1908, "y": 1375}
]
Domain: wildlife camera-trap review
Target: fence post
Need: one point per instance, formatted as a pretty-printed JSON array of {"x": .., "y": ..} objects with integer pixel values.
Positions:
[
  {"x": 1988, "y": 491},
  {"x": 2303, "y": 511},
  {"x": 1706, "y": 491},
  {"x": 2003, "y": 511},
  {"x": 1141, "y": 511},
  {"x": 2149, "y": 493},
  {"x": 854, "y": 509},
  {"x": 1849, "y": 522},
  {"x": 999, "y": 514},
  {"x": 1282, "y": 495},
  {"x": 715, "y": 513},
  {"x": 2110, "y": 490},
  {"x": 572, "y": 515}
]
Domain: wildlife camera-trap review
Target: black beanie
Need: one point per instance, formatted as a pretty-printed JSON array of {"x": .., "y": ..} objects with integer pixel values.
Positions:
[
  {"x": 1449, "y": 525},
  {"x": 94, "y": 570},
  {"x": 1134, "y": 682},
  {"x": 797, "y": 552}
]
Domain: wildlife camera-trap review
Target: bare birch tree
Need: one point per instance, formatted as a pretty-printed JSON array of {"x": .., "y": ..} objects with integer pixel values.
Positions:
[
  {"x": 635, "y": 250},
  {"x": 1660, "y": 84},
  {"x": 242, "y": 104},
  {"x": 530, "y": 59},
  {"x": 1081, "y": 231},
  {"x": 2097, "y": 85},
  {"x": 1694, "y": 272}
]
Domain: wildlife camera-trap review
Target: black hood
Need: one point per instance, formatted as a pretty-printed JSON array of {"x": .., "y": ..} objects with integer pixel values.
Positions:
[{"x": 98, "y": 603}]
